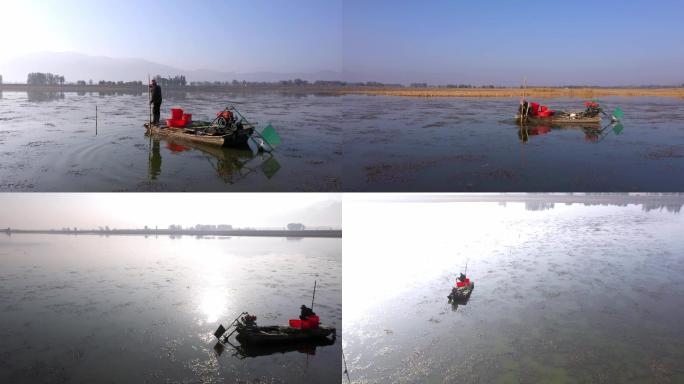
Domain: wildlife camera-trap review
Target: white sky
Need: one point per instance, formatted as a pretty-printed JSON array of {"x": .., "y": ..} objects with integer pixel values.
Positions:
[
  {"x": 25, "y": 29},
  {"x": 135, "y": 210}
]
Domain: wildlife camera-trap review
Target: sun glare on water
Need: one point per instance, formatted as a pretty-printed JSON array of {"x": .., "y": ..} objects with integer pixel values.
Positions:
[{"x": 212, "y": 305}]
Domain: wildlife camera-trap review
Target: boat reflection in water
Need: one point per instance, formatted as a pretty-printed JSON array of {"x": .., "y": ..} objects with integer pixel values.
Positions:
[
  {"x": 456, "y": 302},
  {"x": 230, "y": 165},
  {"x": 593, "y": 133},
  {"x": 243, "y": 351}
]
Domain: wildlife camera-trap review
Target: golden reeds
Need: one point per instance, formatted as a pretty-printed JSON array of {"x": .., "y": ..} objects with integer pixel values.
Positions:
[{"x": 540, "y": 93}]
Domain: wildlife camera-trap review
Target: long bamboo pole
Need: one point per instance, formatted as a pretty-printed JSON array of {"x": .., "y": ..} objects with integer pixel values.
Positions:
[
  {"x": 149, "y": 102},
  {"x": 149, "y": 133}
]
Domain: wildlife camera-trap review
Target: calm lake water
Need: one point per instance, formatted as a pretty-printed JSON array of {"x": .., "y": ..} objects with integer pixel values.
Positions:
[
  {"x": 563, "y": 293},
  {"x": 470, "y": 144},
  {"x": 48, "y": 143},
  {"x": 135, "y": 309}
]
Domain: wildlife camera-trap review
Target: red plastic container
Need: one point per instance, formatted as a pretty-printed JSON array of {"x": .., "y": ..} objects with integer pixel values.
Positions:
[
  {"x": 173, "y": 123},
  {"x": 295, "y": 323},
  {"x": 460, "y": 284},
  {"x": 187, "y": 117},
  {"x": 314, "y": 321},
  {"x": 176, "y": 114},
  {"x": 546, "y": 113}
]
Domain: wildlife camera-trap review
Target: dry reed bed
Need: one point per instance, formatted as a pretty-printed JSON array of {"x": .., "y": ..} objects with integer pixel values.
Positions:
[{"x": 584, "y": 93}]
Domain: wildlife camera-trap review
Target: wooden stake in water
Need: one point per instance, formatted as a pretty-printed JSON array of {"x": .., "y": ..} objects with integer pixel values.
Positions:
[
  {"x": 523, "y": 111},
  {"x": 95, "y": 119}
]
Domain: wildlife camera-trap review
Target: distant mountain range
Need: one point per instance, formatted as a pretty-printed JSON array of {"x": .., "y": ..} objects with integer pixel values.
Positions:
[{"x": 76, "y": 66}]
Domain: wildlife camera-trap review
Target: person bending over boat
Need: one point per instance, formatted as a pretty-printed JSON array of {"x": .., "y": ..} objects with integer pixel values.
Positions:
[
  {"x": 156, "y": 101},
  {"x": 306, "y": 312}
]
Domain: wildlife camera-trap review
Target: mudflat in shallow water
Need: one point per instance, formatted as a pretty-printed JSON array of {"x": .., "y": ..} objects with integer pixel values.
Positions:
[
  {"x": 470, "y": 144},
  {"x": 48, "y": 143},
  {"x": 564, "y": 293},
  {"x": 136, "y": 309}
]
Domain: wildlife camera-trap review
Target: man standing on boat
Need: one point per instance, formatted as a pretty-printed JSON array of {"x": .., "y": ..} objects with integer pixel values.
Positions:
[{"x": 156, "y": 101}]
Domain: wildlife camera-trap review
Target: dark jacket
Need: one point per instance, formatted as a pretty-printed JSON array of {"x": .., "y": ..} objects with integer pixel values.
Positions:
[
  {"x": 156, "y": 95},
  {"x": 306, "y": 312}
]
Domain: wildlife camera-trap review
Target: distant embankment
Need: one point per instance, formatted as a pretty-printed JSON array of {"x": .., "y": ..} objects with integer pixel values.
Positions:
[
  {"x": 190, "y": 88},
  {"x": 541, "y": 93},
  {"x": 323, "y": 233}
]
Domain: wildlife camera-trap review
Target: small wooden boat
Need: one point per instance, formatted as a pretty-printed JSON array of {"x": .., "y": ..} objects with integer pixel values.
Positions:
[
  {"x": 573, "y": 118},
  {"x": 281, "y": 334},
  {"x": 248, "y": 332},
  {"x": 229, "y": 129},
  {"x": 251, "y": 350},
  {"x": 462, "y": 290},
  {"x": 535, "y": 114},
  {"x": 205, "y": 133}
]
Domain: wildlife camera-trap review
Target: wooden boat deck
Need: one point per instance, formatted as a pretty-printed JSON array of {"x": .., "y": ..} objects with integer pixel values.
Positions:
[
  {"x": 559, "y": 120},
  {"x": 193, "y": 134}
]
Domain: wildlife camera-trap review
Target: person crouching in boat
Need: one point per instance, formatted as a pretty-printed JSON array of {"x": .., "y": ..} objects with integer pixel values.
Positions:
[
  {"x": 156, "y": 101},
  {"x": 462, "y": 278},
  {"x": 306, "y": 312}
]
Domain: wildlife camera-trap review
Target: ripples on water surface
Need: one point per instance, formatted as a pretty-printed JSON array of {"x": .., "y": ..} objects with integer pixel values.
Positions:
[
  {"x": 470, "y": 144},
  {"x": 136, "y": 309},
  {"x": 48, "y": 143},
  {"x": 564, "y": 293}
]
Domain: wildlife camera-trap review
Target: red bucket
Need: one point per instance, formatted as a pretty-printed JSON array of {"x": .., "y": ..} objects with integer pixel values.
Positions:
[
  {"x": 176, "y": 114},
  {"x": 295, "y": 323},
  {"x": 173, "y": 123}
]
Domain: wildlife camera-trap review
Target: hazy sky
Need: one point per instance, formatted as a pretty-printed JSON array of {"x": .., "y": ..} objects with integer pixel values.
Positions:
[
  {"x": 228, "y": 35},
  {"x": 135, "y": 210},
  {"x": 606, "y": 42},
  {"x": 499, "y": 42}
]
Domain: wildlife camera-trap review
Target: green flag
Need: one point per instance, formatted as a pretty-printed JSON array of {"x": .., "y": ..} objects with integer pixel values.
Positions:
[{"x": 270, "y": 136}]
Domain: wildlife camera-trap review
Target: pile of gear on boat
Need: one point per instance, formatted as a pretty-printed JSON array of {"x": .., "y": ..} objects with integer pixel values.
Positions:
[
  {"x": 225, "y": 121},
  {"x": 307, "y": 327},
  {"x": 535, "y": 110}
]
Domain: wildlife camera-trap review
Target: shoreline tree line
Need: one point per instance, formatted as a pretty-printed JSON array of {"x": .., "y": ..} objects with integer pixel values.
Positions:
[{"x": 180, "y": 81}]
